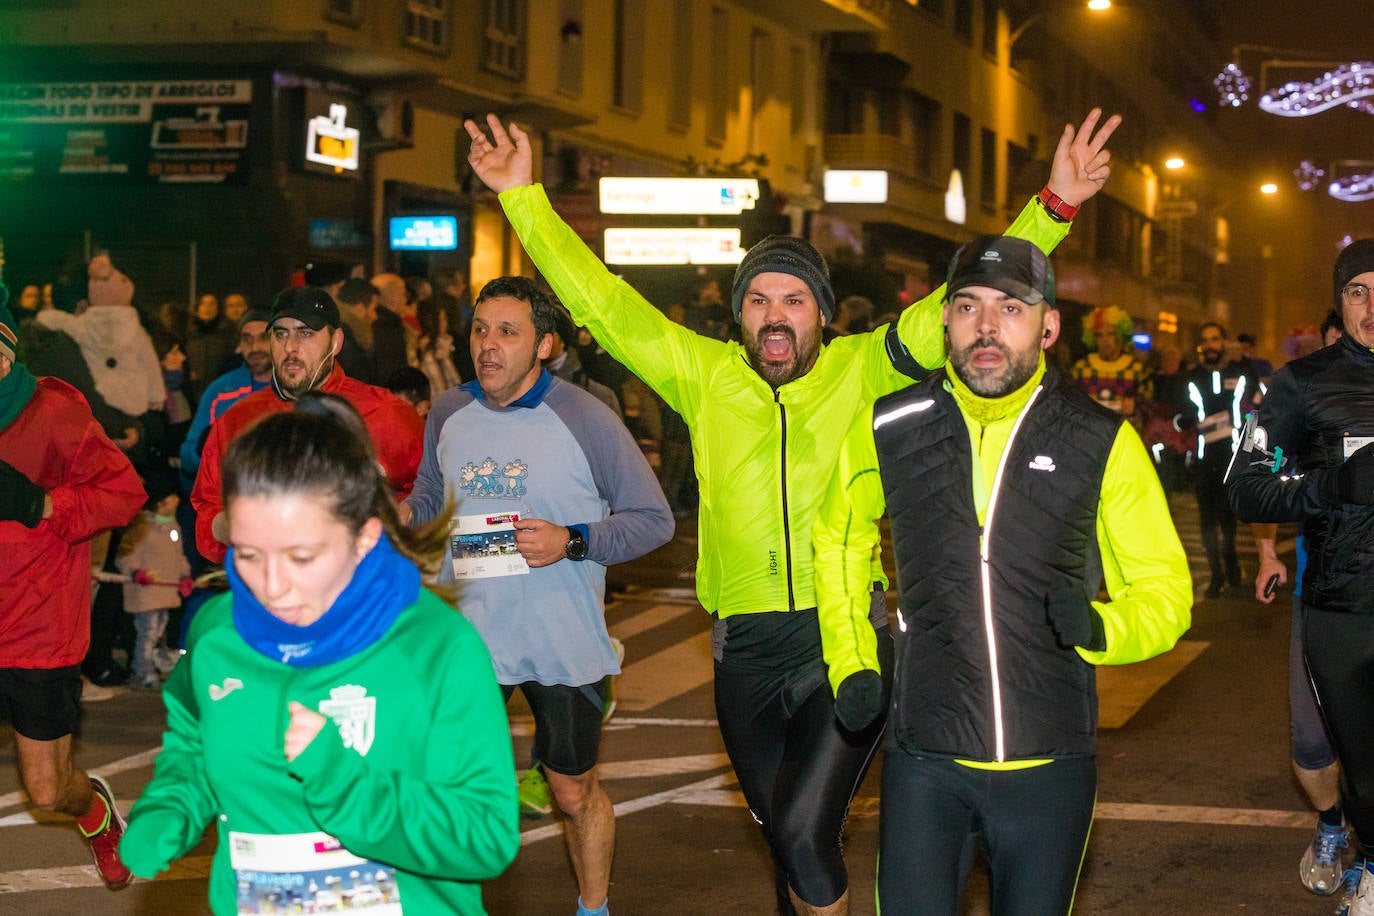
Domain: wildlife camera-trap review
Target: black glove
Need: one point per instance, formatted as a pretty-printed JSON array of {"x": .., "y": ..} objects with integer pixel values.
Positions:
[
  {"x": 1355, "y": 479},
  {"x": 1074, "y": 620},
  {"x": 859, "y": 700},
  {"x": 21, "y": 500}
]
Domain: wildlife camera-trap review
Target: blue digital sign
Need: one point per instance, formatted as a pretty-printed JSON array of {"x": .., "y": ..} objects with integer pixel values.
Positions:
[{"x": 424, "y": 233}]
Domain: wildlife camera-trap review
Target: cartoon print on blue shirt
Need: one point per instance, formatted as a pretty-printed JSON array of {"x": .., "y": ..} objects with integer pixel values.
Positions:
[{"x": 485, "y": 480}]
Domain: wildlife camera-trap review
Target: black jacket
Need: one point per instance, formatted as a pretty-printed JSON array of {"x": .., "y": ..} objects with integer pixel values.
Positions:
[
  {"x": 1318, "y": 410},
  {"x": 954, "y": 676}
]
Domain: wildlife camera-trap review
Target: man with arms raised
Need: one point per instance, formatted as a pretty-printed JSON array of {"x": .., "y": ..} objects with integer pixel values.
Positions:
[
  {"x": 766, "y": 415},
  {"x": 1012, "y": 498}
]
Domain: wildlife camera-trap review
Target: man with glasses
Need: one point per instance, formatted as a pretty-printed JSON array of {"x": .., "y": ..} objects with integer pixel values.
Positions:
[{"x": 1310, "y": 458}]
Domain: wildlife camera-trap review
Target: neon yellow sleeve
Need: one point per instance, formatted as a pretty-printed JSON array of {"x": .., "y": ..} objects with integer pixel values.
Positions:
[
  {"x": 1143, "y": 563},
  {"x": 848, "y": 543},
  {"x": 669, "y": 358},
  {"x": 921, "y": 326}
]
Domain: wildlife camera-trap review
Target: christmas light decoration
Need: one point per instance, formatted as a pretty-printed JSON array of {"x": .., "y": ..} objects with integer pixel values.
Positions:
[
  {"x": 1308, "y": 175},
  {"x": 1232, "y": 85},
  {"x": 1349, "y": 84},
  {"x": 1353, "y": 188}
]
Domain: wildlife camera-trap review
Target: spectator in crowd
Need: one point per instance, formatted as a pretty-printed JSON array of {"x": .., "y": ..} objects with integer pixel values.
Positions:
[
  {"x": 151, "y": 555},
  {"x": 412, "y": 386},
  {"x": 1110, "y": 374},
  {"x": 209, "y": 342},
  {"x": 434, "y": 348},
  {"x": 357, "y": 301},
  {"x": 329, "y": 275},
  {"x": 235, "y": 304},
  {"x": 230, "y": 388},
  {"x": 395, "y": 329}
]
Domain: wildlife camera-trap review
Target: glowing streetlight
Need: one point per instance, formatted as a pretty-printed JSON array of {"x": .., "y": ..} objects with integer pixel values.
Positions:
[
  {"x": 1269, "y": 188},
  {"x": 1099, "y": 4},
  {"x": 1016, "y": 33},
  {"x": 1174, "y": 162}
]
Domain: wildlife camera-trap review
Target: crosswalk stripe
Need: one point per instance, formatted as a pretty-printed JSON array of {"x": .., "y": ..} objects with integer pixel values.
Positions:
[
  {"x": 666, "y": 674},
  {"x": 651, "y": 617}
]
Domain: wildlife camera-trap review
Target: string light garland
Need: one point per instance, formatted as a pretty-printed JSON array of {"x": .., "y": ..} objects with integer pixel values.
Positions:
[
  {"x": 1353, "y": 188},
  {"x": 1309, "y": 176},
  {"x": 1350, "y": 84},
  {"x": 1232, "y": 85}
]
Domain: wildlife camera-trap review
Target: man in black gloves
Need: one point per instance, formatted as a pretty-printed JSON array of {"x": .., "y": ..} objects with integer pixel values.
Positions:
[
  {"x": 61, "y": 481},
  {"x": 1310, "y": 458},
  {"x": 1013, "y": 498}
]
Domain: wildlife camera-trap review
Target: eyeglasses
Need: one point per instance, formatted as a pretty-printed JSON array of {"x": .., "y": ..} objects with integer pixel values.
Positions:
[{"x": 1355, "y": 294}]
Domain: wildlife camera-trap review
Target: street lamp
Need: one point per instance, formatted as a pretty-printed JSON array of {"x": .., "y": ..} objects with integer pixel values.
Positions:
[
  {"x": 1174, "y": 162},
  {"x": 1016, "y": 33},
  {"x": 1269, "y": 188}
]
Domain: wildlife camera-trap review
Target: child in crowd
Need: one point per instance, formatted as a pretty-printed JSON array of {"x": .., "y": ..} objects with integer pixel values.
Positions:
[
  {"x": 412, "y": 386},
  {"x": 150, "y": 552}
]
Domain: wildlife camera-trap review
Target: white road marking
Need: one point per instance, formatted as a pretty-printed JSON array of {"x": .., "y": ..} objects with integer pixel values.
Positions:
[
  {"x": 631, "y": 806},
  {"x": 132, "y": 762}
]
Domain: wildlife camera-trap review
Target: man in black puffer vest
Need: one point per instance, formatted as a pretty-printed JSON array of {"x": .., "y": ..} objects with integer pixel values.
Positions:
[{"x": 1012, "y": 498}]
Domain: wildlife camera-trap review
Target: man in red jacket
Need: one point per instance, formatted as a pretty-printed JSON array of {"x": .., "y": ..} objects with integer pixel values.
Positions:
[
  {"x": 306, "y": 337},
  {"x": 61, "y": 481}
]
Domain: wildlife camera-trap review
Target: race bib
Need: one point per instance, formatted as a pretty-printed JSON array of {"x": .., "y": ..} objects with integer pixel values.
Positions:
[
  {"x": 1352, "y": 444},
  {"x": 308, "y": 873},
  {"x": 483, "y": 546}
]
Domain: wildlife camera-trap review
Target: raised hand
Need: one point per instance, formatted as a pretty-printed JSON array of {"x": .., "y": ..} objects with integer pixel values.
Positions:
[
  {"x": 504, "y": 161},
  {"x": 1080, "y": 166}
]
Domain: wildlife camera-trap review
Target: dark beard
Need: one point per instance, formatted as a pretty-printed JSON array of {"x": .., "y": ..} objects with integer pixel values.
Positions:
[
  {"x": 774, "y": 373},
  {"x": 1018, "y": 370}
]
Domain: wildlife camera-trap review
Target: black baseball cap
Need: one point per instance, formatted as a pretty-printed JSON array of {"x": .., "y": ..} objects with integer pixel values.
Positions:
[
  {"x": 310, "y": 305},
  {"x": 1012, "y": 265}
]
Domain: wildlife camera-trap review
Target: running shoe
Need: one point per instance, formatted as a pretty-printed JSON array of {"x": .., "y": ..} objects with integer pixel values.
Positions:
[
  {"x": 608, "y": 705},
  {"x": 1350, "y": 883},
  {"x": 104, "y": 843},
  {"x": 1321, "y": 868},
  {"x": 1362, "y": 901},
  {"x": 92, "y": 692},
  {"x": 536, "y": 799}
]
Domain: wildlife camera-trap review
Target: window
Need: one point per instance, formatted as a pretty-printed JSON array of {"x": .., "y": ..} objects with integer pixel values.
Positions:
[
  {"x": 987, "y": 184},
  {"x": 426, "y": 25},
  {"x": 627, "y": 65},
  {"x": 345, "y": 12},
  {"x": 718, "y": 96},
  {"x": 963, "y": 147},
  {"x": 963, "y": 19},
  {"x": 991, "y": 9},
  {"x": 798, "y": 91},
  {"x": 680, "y": 86},
  {"x": 570, "y": 47},
  {"x": 925, "y": 133},
  {"x": 1023, "y": 173},
  {"x": 760, "y": 80},
  {"x": 503, "y": 39}
]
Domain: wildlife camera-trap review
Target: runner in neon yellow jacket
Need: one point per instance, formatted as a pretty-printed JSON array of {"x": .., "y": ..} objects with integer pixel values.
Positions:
[{"x": 764, "y": 452}]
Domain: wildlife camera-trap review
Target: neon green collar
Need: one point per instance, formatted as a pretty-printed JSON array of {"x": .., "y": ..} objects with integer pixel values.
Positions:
[{"x": 989, "y": 410}]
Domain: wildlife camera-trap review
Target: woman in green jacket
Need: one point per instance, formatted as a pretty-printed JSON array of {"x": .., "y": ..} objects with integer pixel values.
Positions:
[{"x": 340, "y": 723}]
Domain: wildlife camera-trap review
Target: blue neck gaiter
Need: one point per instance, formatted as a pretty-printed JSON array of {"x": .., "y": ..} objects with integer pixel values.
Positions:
[{"x": 383, "y": 585}]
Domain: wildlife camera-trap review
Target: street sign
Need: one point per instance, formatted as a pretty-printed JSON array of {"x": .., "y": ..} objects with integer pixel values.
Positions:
[
  {"x": 705, "y": 196},
  {"x": 673, "y": 246}
]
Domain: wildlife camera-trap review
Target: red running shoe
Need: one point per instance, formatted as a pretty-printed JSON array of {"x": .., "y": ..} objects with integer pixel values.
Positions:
[{"x": 105, "y": 842}]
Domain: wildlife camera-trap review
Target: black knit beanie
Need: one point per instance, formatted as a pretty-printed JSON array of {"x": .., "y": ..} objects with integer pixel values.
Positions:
[
  {"x": 1355, "y": 259},
  {"x": 785, "y": 254}
]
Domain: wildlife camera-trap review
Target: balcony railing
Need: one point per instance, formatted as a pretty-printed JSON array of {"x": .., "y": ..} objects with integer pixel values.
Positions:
[{"x": 870, "y": 151}]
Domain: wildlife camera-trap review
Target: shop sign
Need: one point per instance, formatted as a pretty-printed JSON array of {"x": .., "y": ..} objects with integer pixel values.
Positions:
[
  {"x": 174, "y": 131},
  {"x": 672, "y": 246},
  {"x": 424, "y": 233},
  {"x": 855, "y": 186},
  {"x": 705, "y": 196},
  {"x": 329, "y": 141}
]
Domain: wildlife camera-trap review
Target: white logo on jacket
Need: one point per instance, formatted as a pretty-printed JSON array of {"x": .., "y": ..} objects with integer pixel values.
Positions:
[
  {"x": 219, "y": 692},
  {"x": 355, "y": 714},
  {"x": 1042, "y": 463}
]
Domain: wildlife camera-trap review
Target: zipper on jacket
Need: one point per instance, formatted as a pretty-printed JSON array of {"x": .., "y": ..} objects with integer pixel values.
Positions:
[
  {"x": 786, "y": 518},
  {"x": 985, "y": 570}
]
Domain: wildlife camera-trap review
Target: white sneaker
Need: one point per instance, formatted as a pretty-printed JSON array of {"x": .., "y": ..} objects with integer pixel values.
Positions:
[
  {"x": 92, "y": 692},
  {"x": 1363, "y": 902}
]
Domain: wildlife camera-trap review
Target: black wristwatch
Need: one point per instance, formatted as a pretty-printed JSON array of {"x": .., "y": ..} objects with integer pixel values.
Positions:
[{"x": 576, "y": 548}]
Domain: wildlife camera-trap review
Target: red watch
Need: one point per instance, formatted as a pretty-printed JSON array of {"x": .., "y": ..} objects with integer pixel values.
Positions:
[{"x": 1059, "y": 209}]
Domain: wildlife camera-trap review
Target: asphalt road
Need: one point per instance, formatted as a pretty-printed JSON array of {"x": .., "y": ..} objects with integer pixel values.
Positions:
[{"x": 1197, "y": 811}]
